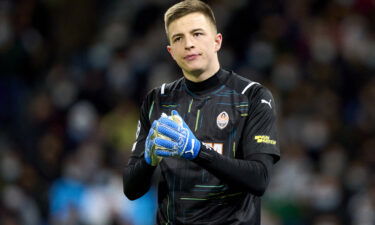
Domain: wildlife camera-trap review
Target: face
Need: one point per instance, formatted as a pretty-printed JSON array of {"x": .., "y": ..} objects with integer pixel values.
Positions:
[{"x": 194, "y": 44}]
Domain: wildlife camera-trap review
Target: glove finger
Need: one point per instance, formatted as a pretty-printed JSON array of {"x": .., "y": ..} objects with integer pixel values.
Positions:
[
  {"x": 165, "y": 153},
  {"x": 177, "y": 116},
  {"x": 168, "y": 132},
  {"x": 150, "y": 132},
  {"x": 149, "y": 143},
  {"x": 165, "y": 143},
  {"x": 180, "y": 120},
  {"x": 149, "y": 139},
  {"x": 170, "y": 123},
  {"x": 154, "y": 125},
  {"x": 175, "y": 113}
]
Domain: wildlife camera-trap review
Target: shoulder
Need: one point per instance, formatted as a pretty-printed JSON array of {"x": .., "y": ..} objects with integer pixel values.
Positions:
[
  {"x": 166, "y": 88},
  {"x": 244, "y": 86}
]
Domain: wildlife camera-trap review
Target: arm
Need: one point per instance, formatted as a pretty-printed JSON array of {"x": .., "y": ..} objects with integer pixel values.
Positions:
[
  {"x": 258, "y": 145},
  {"x": 251, "y": 174},
  {"x": 137, "y": 175},
  {"x": 137, "y": 178}
]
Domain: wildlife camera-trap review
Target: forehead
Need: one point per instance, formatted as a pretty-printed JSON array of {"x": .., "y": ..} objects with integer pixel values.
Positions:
[{"x": 189, "y": 22}]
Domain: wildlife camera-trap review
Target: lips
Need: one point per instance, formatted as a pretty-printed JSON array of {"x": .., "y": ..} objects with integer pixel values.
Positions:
[{"x": 191, "y": 57}]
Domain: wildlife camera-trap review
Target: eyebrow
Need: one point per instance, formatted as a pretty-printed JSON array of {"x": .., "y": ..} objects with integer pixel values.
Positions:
[{"x": 192, "y": 31}]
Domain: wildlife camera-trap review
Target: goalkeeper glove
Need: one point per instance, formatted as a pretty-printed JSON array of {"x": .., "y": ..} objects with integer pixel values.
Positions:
[
  {"x": 182, "y": 142},
  {"x": 149, "y": 155}
]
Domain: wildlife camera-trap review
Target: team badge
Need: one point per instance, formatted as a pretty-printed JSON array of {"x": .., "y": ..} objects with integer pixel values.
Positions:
[{"x": 222, "y": 120}]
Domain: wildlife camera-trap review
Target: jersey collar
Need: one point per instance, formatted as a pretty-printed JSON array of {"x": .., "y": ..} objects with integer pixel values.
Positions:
[{"x": 209, "y": 85}]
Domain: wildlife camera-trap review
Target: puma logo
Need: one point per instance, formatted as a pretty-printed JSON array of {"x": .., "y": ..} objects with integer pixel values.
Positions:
[
  {"x": 267, "y": 102},
  {"x": 191, "y": 151}
]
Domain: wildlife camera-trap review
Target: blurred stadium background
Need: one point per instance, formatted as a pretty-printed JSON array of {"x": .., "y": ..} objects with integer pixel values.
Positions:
[{"x": 73, "y": 75}]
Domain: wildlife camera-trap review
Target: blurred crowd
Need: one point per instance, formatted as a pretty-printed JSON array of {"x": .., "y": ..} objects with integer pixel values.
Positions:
[{"x": 74, "y": 73}]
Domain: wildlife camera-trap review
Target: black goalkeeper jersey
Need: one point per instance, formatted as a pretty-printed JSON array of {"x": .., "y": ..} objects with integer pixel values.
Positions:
[{"x": 235, "y": 119}]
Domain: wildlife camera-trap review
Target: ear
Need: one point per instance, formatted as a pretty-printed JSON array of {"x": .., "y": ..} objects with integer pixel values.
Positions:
[
  {"x": 218, "y": 41},
  {"x": 169, "y": 49}
]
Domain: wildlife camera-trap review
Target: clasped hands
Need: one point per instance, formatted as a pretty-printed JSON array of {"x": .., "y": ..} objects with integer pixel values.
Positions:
[{"x": 170, "y": 136}]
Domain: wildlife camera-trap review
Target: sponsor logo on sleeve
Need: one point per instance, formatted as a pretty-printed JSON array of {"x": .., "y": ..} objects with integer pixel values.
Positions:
[{"x": 264, "y": 139}]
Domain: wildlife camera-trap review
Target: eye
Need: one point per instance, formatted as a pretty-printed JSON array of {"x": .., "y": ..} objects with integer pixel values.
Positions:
[
  {"x": 177, "y": 39},
  {"x": 197, "y": 34}
]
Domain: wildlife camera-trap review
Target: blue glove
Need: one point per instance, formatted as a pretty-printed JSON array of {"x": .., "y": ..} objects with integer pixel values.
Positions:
[
  {"x": 180, "y": 140},
  {"x": 150, "y": 147}
]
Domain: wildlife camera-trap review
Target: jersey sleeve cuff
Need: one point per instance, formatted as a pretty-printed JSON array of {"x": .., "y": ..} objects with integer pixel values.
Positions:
[{"x": 205, "y": 155}]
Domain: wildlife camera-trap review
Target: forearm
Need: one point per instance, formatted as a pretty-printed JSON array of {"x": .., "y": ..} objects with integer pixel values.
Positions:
[
  {"x": 251, "y": 175},
  {"x": 137, "y": 178}
]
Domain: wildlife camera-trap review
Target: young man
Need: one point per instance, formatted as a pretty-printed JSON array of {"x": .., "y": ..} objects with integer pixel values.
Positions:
[{"x": 216, "y": 147}]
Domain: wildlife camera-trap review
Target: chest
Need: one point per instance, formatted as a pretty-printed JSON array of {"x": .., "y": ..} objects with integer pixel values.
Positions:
[{"x": 217, "y": 119}]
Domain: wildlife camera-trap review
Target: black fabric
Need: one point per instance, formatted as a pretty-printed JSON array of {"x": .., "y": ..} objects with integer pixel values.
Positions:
[
  {"x": 206, "y": 86},
  {"x": 251, "y": 175},
  {"x": 236, "y": 123},
  {"x": 137, "y": 179}
]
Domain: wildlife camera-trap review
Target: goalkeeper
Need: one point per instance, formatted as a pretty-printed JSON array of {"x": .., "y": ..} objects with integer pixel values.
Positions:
[{"x": 212, "y": 133}]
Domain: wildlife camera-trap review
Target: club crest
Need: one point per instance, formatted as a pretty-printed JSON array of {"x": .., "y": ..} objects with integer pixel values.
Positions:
[{"x": 222, "y": 120}]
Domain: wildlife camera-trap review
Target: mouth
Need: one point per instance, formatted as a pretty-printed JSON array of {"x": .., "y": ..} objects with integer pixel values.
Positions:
[{"x": 191, "y": 57}]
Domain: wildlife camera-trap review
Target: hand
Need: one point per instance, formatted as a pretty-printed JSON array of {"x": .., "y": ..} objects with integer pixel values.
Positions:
[
  {"x": 150, "y": 146},
  {"x": 180, "y": 140}
]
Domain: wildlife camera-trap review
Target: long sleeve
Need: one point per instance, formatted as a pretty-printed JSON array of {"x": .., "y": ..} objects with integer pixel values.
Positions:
[
  {"x": 137, "y": 178},
  {"x": 137, "y": 175},
  {"x": 258, "y": 146},
  {"x": 252, "y": 174}
]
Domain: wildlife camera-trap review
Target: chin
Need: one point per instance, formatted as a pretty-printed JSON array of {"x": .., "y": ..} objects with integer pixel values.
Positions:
[{"x": 195, "y": 71}]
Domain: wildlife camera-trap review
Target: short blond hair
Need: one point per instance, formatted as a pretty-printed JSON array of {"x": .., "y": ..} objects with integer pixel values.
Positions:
[{"x": 186, "y": 7}]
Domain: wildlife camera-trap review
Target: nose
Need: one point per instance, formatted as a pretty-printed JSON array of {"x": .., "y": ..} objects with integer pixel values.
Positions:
[{"x": 189, "y": 44}]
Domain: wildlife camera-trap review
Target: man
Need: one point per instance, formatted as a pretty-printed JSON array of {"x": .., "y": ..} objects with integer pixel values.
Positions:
[{"x": 212, "y": 133}]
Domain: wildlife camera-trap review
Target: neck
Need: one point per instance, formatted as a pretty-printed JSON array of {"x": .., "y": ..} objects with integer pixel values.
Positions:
[
  {"x": 202, "y": 75},
  {"x": 207, "y": 86}
]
